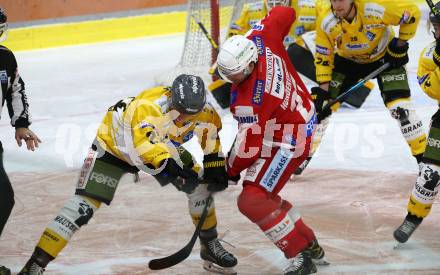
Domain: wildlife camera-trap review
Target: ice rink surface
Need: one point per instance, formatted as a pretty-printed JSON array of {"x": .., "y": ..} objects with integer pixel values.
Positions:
[{"x": 354, "y": 194}]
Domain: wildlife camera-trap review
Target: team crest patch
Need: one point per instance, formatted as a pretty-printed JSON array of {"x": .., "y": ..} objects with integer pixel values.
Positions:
[
  {"x": 3, "y": 77},
  {"x": 300, "y": 30},
  {"x": 258, "y": 27},
  {"x": 370, "y": 35},
  {"x": 257, "y": 95},
  {"x": 260, "y": 45}
]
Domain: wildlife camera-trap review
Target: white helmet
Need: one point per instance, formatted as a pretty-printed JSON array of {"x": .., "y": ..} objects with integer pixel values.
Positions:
[
  {"x": 235, "y": 55},
  {"x": 272, "y": 3}
]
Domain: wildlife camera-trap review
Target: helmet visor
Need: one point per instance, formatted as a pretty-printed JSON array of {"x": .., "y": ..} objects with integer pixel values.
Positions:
[{"x": 228, "y": 75}]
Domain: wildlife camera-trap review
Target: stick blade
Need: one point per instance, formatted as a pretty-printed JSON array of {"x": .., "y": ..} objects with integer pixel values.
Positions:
[{"x": 171, "y": 260}]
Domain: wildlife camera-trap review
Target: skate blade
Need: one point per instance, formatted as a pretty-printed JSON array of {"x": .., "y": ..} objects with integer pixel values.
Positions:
[
  {"x": 398, "y": 246},
  {"x": 320, "y": 262},
  {"x": 212, "y": 267}
]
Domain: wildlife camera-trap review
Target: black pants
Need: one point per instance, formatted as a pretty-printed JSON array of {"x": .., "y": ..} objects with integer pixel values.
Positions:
[{"x": 6, "y": 194}]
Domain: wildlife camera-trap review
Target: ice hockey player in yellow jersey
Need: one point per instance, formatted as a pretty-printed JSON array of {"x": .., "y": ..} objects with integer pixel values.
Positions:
[
  {"x": 353, "y": 39},
  {"x": 300, "y": 42},
  {"x": 145, "y": 133},
  {"x": 306, "y": 13},
  {"x": 425, "y": 189}
]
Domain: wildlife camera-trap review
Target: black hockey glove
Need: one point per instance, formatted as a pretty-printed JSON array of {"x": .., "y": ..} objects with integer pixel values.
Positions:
[
  {"x": 214, "y": 172},
  {"x": 320, "y": 99},
  {"x": 233, "y": 180},
  {"x": 184, "y": 179},
  {"x": 397, "y": 56}
]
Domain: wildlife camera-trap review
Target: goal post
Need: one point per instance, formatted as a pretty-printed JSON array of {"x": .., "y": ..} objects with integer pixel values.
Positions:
[{"x": 198, "y": 54}]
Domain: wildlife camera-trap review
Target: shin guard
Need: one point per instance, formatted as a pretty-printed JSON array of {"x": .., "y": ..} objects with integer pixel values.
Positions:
[
  {"x": 75, "y": 213},
  {"x": 410, "y": 124},
  {"x": 196, "y": 203},
  {"x": 425, "y": 190},
  {"x": 273, "y": 217}
]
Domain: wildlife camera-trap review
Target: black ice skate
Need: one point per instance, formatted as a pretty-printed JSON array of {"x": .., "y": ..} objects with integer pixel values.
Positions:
[
  {"x": 31, "y": 268},
  {"x": 316, "y": 253},
  {"x": 300, "y": 265},
  {"x": 4, "y": 270},
  {"x": 216, "y": 258},
  {"x": 405, "y": 230}
]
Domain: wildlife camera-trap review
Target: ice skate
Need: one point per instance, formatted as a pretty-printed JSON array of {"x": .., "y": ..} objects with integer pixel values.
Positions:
[
  {"x": 316, "y": 253},
  {"x": 405, "y": 230},
  {"x": 302, "y": 264},
  {"x": 4, "y": 270},
  {"x": 31, "y": 268},
  {"x": 216, "y": 258}
]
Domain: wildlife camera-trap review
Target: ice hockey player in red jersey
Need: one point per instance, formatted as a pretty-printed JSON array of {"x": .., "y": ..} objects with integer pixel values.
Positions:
[{"x": 276, "y": 118}]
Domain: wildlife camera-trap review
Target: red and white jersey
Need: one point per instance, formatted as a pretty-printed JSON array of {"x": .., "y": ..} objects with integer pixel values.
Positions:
[{"x": 272, "y": 106}]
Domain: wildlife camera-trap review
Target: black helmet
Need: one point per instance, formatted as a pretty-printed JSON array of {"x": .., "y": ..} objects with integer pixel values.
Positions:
[
  {"x": 188, "y": 94},
  {"x": 3, "y": 17},
  {"x": 432, "y": 18},
  {"x": 3, "y": 24}
]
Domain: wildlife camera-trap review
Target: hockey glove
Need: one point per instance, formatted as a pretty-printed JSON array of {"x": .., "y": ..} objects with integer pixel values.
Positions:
[
  {"x": 184, "y": 179},
  {"x": 214, "y": 172},
  {"x": 436, "y": 55},
  {"x": 320, "y": 99},
  {"x": 234, "y": 180},
  {"x": 397, "y": 56}
]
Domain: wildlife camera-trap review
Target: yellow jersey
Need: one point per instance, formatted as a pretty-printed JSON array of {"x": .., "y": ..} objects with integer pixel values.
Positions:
[
  {"x": 366, "y": 38},
  {"x": 143, "y": 130},
  {"x": 306, "y": 14},
  {"x": 428, "y": 73}
]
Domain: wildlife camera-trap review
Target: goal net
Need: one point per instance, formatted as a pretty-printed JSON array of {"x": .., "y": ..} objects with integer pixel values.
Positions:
[{"x": 198, "y": 53}]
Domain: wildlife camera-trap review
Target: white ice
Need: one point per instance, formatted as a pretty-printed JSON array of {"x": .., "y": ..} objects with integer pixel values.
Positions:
[{"x": 70, "y": 88}]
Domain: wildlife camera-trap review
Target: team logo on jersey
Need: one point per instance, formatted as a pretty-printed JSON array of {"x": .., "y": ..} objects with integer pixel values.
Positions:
[
  {"x": 300, "y": 30},
  {"x": 188, "y": 136},
  {"x": 310, "y": 126},
  {"x": 422, "y": 79},
  {"x": 356, "y": 46},
  {"x": 246, "y": 119},
  {"x": 275, "y": 170},
  {"x": 290, "y": 81},
  {"x": 269, "y": 70},
  {"x": 3, "y": 77},
  {"x": 322, "y": 50},
  {"x": 257, "y": 95},
  {"x": 374, "y": 10},
  {"x": 245, "y": 115},
  {"x": 370, "y": 35},
  {"x": 260, "y": 45},
  {"x": 258, "y": 27},
  {"x": 278, "y": 79}
]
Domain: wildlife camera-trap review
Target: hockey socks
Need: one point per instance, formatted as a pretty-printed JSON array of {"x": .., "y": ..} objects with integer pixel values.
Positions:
[{"x": 276, "y": 218}]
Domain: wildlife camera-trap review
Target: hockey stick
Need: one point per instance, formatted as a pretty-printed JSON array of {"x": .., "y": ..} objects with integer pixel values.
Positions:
[
  {"x": 183, "y": 253},
  {"x": 356, "y": 86},
  {"x": 211, "y": 41},
  {"x": 205, "y": 32},
  {"x": 434, "y": 10}
]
